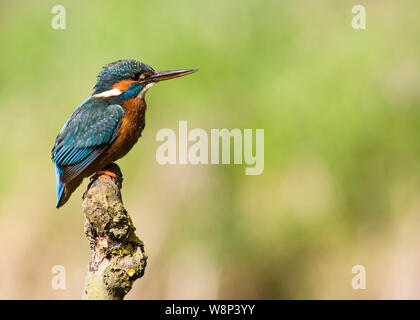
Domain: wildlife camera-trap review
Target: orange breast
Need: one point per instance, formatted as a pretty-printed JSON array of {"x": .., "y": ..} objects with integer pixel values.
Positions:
[{"x": 130, "y": 130}]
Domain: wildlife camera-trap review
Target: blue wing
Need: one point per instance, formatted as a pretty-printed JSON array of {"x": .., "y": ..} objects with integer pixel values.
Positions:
[{"x": 90, "y": 129}]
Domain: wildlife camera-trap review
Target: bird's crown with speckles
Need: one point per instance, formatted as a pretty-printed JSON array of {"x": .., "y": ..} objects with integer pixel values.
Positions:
[{"x": 117, "y": 71}]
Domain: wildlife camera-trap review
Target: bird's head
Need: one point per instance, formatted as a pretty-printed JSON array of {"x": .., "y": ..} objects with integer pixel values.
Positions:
[{"x": 130, "y": 78}]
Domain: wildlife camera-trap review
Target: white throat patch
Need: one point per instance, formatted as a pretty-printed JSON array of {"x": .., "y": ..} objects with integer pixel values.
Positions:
[{"x": 144, "y": 90}]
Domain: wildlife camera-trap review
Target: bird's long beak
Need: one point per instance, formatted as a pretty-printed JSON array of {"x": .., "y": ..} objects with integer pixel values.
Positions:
[{"x": 166, "y": 75}]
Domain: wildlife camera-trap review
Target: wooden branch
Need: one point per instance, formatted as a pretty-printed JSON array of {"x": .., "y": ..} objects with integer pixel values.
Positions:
[{"x": 118, "y": 257}]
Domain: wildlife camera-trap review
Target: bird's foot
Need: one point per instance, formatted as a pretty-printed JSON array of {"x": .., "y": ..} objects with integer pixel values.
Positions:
[
  {"x": 111, "y": 170},
  {"x": 104, "y": 172}
]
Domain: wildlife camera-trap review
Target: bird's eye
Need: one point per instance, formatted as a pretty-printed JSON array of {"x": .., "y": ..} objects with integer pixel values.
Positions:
[{"x": 135, "y": 76}]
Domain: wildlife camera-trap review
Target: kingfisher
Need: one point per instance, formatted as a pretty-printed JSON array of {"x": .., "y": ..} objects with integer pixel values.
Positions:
[{"x": 106, "y": 125}]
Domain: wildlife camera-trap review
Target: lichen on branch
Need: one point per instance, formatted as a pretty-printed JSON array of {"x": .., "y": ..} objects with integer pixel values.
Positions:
[{"x": 118, "y": 257}]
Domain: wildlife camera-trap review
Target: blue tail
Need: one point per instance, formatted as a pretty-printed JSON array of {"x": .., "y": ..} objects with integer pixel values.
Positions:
[{"x": 60, "y": 186}]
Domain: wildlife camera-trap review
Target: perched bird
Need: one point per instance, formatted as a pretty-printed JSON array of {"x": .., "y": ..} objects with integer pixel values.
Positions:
[{"x": 106, "y": 125}]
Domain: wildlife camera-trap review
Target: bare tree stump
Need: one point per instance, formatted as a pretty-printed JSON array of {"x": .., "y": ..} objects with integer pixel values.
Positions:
[{"x": 118, "y": 257}]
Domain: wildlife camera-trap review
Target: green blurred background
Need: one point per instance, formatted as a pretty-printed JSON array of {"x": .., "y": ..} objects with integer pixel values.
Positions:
[{"x": 341, "y": 114}]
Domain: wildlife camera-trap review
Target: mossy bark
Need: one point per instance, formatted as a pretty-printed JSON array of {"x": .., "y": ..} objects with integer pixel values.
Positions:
[{"x": 118, "y": 257}]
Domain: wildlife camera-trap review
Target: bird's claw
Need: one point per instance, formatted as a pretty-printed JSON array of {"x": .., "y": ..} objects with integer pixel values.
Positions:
[{"x": 103, "y": 172}]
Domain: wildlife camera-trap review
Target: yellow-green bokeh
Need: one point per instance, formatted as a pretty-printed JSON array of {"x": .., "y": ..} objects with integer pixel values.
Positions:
[{"x": 341, "y": 113}]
